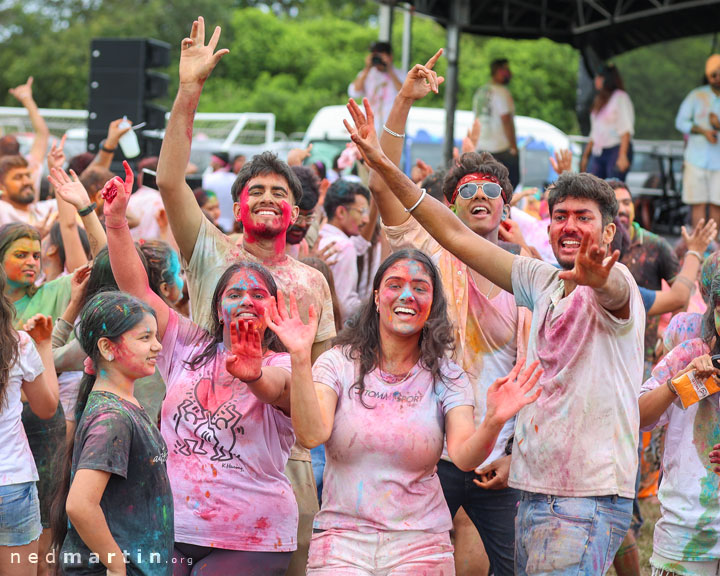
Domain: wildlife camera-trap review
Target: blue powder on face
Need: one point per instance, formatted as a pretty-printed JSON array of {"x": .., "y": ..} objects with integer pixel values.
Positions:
[{"x": 104, "y": 327}]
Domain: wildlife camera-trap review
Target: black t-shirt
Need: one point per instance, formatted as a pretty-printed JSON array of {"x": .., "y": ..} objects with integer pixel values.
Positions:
[{"x": 116, "y": 436}]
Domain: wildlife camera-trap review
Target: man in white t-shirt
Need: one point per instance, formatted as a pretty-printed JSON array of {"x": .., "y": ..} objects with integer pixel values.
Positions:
[
  {"x": 493, "y": 106},
  {"x": 574, "y": 455},
  {"x": 17, "y": 195},
  {"x": 378, "y": 81}
]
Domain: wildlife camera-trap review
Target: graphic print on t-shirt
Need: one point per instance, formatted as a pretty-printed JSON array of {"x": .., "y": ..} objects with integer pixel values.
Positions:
[{"x": 215, "y": 419}]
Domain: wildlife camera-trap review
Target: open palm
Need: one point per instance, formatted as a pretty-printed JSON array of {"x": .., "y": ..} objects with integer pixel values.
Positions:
[
  {"x": 508, "y": 395},
  {"x": 294, "y": 334},
  {"x": 591, "y": 268},
  {"x": 197, "y": 59},
  {"x": 245, "y": 358}
]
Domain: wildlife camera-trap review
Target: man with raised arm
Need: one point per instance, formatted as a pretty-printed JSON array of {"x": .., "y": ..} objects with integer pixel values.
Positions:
[
  {"x": 490, "y": 330},
  {"x": 574, "y": 455},
  {"x": 265, "y": 196}
]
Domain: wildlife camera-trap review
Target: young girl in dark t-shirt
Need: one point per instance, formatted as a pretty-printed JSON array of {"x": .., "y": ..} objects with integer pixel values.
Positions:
[{"x": 115, "y": 486}]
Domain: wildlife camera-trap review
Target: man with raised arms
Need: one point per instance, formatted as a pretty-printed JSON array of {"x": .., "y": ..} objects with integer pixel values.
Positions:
[
  {"x": 265, "y": 196},
  {"x": 574, "y": 456}
]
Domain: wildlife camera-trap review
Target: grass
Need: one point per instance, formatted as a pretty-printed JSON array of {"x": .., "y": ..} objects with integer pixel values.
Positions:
[{"x": 650, "y": 509}]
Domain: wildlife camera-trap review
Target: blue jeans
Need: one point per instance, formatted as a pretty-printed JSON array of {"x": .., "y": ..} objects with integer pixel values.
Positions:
[
  {"x": 318, "y": 465},
  {"x": 491, "y": 511},
  {"x": 569, "y": 536},
  {"x": 19, "y": 514},
  {"x": 605, "y": 165}
]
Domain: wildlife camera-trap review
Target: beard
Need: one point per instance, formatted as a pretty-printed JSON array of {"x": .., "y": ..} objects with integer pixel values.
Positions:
[{"x": 24, "y": 196}]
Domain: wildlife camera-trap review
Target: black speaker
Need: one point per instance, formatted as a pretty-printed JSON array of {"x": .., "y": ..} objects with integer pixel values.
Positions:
[{"x": 122, "y": 84}]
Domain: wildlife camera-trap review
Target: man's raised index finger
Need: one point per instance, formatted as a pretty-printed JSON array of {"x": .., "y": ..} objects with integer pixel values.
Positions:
[{"x": 434, "y": 59}]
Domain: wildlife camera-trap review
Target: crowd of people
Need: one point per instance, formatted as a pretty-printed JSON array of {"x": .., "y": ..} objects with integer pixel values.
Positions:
[{"x": 292, "y": 370}]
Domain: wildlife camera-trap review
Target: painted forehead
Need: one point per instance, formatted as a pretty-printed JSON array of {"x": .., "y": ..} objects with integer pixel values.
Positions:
[
  {"x": 26, "y": 244},
  {"x": 408, "y": 268},
  {"x": 247, "y": 279}
]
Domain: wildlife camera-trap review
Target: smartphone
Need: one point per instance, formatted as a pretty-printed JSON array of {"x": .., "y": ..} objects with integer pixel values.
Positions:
[{"x": 716, "y": 361}]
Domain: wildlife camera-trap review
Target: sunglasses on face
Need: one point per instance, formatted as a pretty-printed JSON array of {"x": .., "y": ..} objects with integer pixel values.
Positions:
[{"x": 490, "y": 189}]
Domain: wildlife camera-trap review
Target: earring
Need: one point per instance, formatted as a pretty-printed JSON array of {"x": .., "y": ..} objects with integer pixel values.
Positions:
[{"x": 111, "y": 357}]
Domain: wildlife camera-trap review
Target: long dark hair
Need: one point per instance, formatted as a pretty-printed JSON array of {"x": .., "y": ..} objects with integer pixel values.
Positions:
[
  {"x": 8, "y": 339},
  {"x": 102, "y": 278},
  {"x": 710, "y": 332},
  {"x": 105, "y": 315},
  {"x": 361, "y": 339},
  {"x": 322, "y": 267},
  {"x": 216, "y": 328},
  {"x": 611, "y": 82}
]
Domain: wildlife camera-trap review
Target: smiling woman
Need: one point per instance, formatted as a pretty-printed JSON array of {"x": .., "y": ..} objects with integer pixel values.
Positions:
[
  {"x": 388, "y": 374},
  {"x": 226, "y": 413}
]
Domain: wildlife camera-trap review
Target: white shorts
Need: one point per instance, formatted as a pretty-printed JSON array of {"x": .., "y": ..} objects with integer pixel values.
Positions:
[
  {"x": 700, "y": 186},
  {"x": 677, "y": 568},
  {"x": 401, "y": 553}
]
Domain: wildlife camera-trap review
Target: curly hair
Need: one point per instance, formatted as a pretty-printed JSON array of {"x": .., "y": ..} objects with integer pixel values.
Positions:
[
  {"x": 361, "y": 340},
  {"x": 585, "y": 186},
  {"x": 477, "y": 162}
]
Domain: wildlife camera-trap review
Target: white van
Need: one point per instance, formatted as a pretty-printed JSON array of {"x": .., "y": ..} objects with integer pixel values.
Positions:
[{"x": 425, "y": 130}]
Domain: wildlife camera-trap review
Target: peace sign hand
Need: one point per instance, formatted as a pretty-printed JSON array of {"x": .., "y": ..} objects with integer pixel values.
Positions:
[
  {"x": 591, "y": 268},
  {"x": 363, "y": 133},
  {"x": 197, "y": 59},
  {"x": 421, "y": 80}
]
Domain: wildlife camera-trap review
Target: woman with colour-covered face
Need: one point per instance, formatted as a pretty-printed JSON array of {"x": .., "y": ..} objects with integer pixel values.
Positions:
[
  {"x": 384, "y": 400},
  {"x": 115, "y": 494},
  {"x": 225, "y": 417}
]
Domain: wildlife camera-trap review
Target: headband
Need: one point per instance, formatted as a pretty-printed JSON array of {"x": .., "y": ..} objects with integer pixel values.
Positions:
[{"x": 474, "y": 176}]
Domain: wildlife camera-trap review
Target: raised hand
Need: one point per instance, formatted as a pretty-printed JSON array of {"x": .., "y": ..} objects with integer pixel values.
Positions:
[
  {"x": 39, "y": 327},
  {"x": 421, "y": 80},
  {"x": 296, "y": 336},
  {"x": 23, "y": 93},
  {"x": 507, "y": 395},
  {"x": 701, "y": 236},
  {"x": 197, "y": 59},
  {"x": 115, "y": 132},
  {"x": 116, "y": 194},
  {"x": 69, "y": 188},
  {"x": 591, "y": 267},
  {"x": 715, "y": 458},
  {"x": 56, "y": 157},
  {"x": 562, "y": 162},
  {"x": 327, "y": 253},
  {"x": 363, "y": 134},
  {"x": 78, "y": 283},
  {"x": 297, "y": 156},
  {"x": 245, "y": 358}
]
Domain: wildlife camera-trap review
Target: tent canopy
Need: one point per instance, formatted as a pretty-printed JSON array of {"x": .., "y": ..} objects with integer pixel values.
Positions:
[{"x": 608, "y": 27}]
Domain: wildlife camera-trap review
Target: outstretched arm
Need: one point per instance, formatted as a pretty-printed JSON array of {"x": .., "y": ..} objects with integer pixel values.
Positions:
[
  {"x": 197, "y": 61},
  {"x": 42, "y": 134},
  {"x": 312, "y": 405},
  {"x": 420, "y": 81},
  {"x": 485, "y": 257},
  {"x": 127, "y": 267},
  {"x": 106, "y": 154}
]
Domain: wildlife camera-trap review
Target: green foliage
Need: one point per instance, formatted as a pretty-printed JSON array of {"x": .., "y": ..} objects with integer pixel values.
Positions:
[{"x": 292, "y": 57}]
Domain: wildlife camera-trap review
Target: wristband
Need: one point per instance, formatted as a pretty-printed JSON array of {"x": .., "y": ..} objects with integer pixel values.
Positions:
[
  {"x": 422, "y": 197},
  {"x": 689, "y": 283},
  {"x": 392, "y": 133},
  {"x": 108, "y": 150},
  {"x": 89, "y": 208},
  {"x": 254, "y": 379},
  {"x": 696, "y": 254},
  {"x": 671, "y": 386}
]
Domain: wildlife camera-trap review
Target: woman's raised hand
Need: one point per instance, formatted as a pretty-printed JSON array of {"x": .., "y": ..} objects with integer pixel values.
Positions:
[
  {"x": 421, "y": 80},
  {"x": 508, "y": 395},
  {"x": 69, "y": 188},
  {"x": 39, "y": 327},
  {"x": 296, "y": 336},
  {"x": 116, "y": 193},
  {"x": 245, "y": 358}
]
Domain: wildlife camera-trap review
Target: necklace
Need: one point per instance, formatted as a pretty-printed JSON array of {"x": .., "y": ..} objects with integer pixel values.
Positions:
[
  {"x": 392, "y": 378},
  {"x": 492, "y": 287}
]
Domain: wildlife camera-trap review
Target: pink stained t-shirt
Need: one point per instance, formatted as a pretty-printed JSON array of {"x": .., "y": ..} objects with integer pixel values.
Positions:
[
  {"x": 227, "y": 450},
  {"x": 381, "y": 468}
]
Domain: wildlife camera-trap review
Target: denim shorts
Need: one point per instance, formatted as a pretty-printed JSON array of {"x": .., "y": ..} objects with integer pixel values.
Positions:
[
  {"x": 19, "y": 514},
  {"x": 569, "y": 536}
]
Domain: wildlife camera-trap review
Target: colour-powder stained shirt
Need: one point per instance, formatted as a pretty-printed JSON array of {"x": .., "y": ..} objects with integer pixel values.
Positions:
[
  {"x": 490, "y": 334},
  {"x": 689, "y": 528},
  {"x": 214, "y": 253},
  {"x": 16, "y": 461},
  {"x": 381, "y": 462},
  {"x": 227, "y": 450},
  {"x": 682, "y": 327},
  {"x": 118, "y": 437},
  {"x": 580, "y": 437}
]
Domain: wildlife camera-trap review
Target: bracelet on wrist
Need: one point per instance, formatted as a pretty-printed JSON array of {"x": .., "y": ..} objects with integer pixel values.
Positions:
[
  {"x": 393, "y": 133},
  {"x": 108, "y": 150},
  {"x": 255, "y": 379},
  {"x": 116, "y": 225},
  {"x": 696, "y": 254},
  {"x": 89, "y": 208},
  {"x": 671, "y": 386}
]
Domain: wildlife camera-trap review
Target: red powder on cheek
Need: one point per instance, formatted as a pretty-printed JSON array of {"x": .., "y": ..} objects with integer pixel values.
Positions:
[
  {"x": 280, "y": 240},
  {"x": 13, "y": 271},
  {"x": 248, "y": 226}
]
